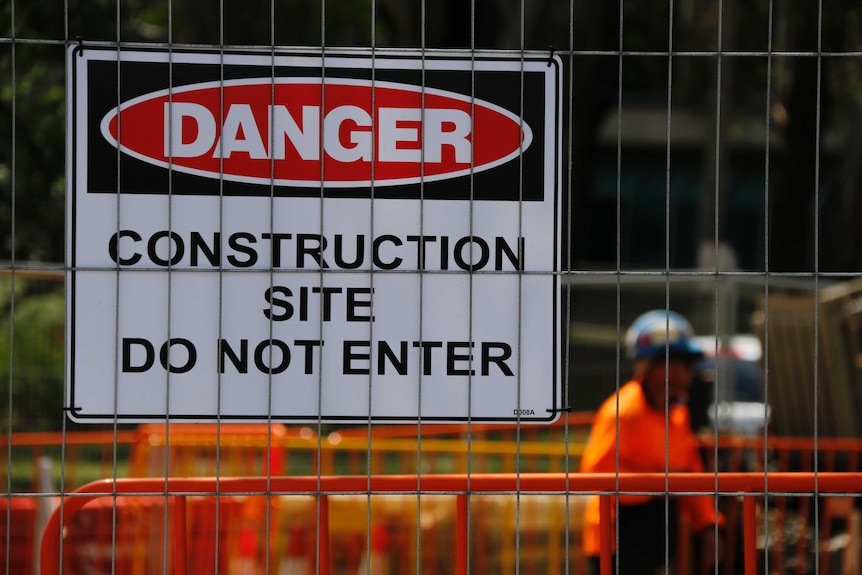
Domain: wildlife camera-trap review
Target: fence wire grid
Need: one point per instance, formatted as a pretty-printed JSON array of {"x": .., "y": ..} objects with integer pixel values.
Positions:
[{"x": 470, "y": 203}]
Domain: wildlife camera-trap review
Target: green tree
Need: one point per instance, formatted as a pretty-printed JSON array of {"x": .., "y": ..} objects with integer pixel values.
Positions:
[{"x": 34, "y": 368}]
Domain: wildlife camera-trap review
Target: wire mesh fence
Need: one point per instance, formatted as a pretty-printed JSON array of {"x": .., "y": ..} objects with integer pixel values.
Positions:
[{"x": 252, "y": 249}]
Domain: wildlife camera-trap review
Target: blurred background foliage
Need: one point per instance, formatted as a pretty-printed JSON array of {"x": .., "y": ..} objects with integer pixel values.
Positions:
[
  {"x": 35, "y": 357},
  {"x": 806, "y": 95},
  {"x": 725, "y": 184}
]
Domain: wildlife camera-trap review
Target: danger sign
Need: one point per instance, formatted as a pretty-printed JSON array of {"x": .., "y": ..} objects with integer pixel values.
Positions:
[
  {"x": 307, "y": 237},
  {"x": 180, "y": 127}
]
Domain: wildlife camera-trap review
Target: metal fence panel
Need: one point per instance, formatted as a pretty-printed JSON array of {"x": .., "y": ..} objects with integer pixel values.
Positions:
[{"x": 707, "y": 161}]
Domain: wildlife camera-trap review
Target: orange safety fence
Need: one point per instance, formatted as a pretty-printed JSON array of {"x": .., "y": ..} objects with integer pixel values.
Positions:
[
  {"x": 789, "y": 519},
  {"x": 578, "y": 420},
  {"x": 88, "y": 455},
  {"x": 443, "y": 448},
  {"x": 97, "y": 448},
  {"x": 172, "y": 509},
  {"x": 18, "y": 528},
  {"x": 294, "y": 450},
  {"x": 261, "y": 450},
  {"x": 199, "y": 449}
]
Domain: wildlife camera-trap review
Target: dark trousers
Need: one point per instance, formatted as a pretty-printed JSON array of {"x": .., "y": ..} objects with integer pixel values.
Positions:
[{"x": 646, "y": 534}]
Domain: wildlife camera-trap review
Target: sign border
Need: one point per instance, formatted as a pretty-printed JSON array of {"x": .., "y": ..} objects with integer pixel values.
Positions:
[{"x": 74, "y": 54}]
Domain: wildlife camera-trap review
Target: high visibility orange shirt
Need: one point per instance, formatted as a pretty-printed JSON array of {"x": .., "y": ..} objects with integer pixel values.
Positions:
[{"x": 642, "y": 449}]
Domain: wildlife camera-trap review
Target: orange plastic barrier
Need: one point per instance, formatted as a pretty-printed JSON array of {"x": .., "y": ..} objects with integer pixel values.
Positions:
[
  {"x": 541, "y": 526},
  {"x": 448, "y": 448},
  {"x": 579, "y": 420},
  {"x": 751, "y": 487},
  {"x": 201, "y": 449},
  {"x": 193, "y": 450},
  {"x": 787, "y": 522},
  {"x": 70, "y": 448},
  {"x": 18, "y": 515}
]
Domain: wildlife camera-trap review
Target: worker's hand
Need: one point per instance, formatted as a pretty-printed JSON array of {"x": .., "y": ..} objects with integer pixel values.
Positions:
[{"x": 711, "y": 550}]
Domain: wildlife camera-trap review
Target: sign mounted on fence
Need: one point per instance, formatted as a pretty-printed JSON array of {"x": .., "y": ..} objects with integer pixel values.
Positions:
[{"x": 309, "y": 237}]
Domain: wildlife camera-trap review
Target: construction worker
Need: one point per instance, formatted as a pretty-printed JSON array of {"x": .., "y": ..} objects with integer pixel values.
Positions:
[{"x": 645, "y": 428}]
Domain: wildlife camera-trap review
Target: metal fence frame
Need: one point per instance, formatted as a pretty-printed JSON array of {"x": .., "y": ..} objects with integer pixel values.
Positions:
[{"x": 827, "y": 300}]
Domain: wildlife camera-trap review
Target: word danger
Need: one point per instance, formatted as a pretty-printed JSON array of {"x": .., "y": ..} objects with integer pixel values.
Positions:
[
  {"x": 165, "y": 248},
  {"x": 335, "y": 132},
  {"x": 359, "y": 357},
  {"x": 343, "y": 133}
]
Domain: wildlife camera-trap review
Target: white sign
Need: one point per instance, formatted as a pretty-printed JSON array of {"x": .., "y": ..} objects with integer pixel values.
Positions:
[{"x": 308, "y": 238}]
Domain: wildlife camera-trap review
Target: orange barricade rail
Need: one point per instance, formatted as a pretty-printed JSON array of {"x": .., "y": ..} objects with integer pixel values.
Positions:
[
  {"x": 171, "y": 498},
  {"x": 98, "y": 448}
]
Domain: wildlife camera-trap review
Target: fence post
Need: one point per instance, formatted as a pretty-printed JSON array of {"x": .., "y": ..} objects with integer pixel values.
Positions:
[
  {"x": 462, "y": 533},
  {"x": 179, "y": 538},
  {"x": 749, "y": 529},
  {"x": 323, "y": 541},
  {"x": 607, "y": 526}
]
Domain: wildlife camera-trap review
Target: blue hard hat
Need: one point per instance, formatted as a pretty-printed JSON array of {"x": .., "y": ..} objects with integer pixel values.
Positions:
[{"x": 658, "y": 332}]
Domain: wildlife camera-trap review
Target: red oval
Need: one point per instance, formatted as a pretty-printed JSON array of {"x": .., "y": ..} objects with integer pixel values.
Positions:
[{"x": 457, "y": 131}]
